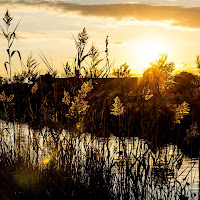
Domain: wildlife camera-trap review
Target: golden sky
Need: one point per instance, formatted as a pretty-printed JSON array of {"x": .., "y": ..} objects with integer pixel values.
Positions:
[{"x": 137, "y": 31}]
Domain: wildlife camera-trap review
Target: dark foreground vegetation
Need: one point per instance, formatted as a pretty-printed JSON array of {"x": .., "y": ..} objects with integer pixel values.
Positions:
[
  {"x": 146, "y": 114},
  {"x": 88, "y": 136}
]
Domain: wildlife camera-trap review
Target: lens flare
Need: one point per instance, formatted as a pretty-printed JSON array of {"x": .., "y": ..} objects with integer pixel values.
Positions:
[{"x": 45, "y": 161}]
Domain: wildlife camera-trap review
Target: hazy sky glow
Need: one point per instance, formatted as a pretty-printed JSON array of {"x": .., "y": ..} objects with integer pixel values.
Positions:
[{"x": 137, "y": 31}]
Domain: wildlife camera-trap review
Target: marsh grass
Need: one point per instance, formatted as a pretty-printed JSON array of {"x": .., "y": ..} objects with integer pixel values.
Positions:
[
  {"x": 81, "y": 165},
  {"x": 88, "y": 142},
  {"x": 86, "y": 166},
  {"x": 10, "y": 37}
]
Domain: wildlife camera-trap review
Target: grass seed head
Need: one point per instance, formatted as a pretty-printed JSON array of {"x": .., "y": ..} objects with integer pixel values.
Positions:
[
  {"x": 66, "y": 98},
  {"x": 182, "y": 110},
  {"x": 7, "y": 18},
  {"x": 118, "y": 107}
]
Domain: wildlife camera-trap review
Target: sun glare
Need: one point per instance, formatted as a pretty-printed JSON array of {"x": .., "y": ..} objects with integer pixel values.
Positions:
[{"x": 149, "y": 50}]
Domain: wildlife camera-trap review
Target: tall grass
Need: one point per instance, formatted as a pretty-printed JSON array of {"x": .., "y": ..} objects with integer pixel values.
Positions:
[
  {"x": 67, "y": 150},
  {"x": 10, "y": 37},
  {"x": 69, "y": 163}
]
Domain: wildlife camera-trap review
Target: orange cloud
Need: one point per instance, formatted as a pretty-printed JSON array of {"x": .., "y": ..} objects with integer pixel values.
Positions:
[{"x": 185, "y": 17}]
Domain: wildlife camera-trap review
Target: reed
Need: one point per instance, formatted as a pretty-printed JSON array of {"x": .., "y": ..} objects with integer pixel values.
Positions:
[{"x": 83, "y": 142}]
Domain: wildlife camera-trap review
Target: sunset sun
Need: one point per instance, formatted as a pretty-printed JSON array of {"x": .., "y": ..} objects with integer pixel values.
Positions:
[{"x": 149, "y": 51}]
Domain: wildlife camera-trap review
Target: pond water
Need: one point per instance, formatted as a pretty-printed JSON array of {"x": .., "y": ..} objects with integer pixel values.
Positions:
[{"x": 128, "y": 163}]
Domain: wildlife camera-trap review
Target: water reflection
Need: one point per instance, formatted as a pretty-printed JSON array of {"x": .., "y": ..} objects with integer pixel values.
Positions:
[{"x": 128, "y": 167}]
